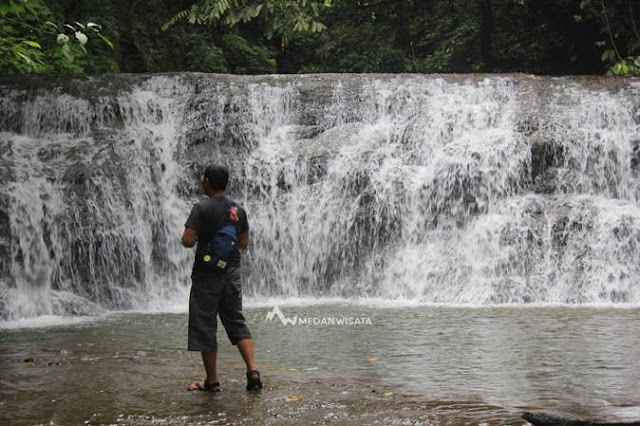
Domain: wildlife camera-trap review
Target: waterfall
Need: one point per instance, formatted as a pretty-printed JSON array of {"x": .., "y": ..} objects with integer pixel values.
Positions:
[
  {"x": 90, "y": 201},
  {"x": 439, "y": 189}
]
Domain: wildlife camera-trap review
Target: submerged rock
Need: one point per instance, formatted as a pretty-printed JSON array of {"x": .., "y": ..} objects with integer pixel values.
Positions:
[{"x": 543, "y": 419}]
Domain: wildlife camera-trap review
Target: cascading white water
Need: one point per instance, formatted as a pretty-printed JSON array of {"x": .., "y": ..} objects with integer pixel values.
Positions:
[
  {"x": 91, "y": 204},
  {"x": 456, "y": 189}
]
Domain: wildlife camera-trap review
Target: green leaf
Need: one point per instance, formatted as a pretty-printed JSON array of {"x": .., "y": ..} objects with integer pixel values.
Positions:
[
  {"x": 32, "y": 44},
  {"x": 16, "y": 8},
  {"x": 177, "y": 17},
  {"x": 624, "y": 68},
  {"x": 105, "y": 40},
  {"x": 317, "y": 27},
  {"x": 29, "y": 9},
  {"x": 608, "y": 55},
  {"x": 619, "y": 68},
  {"x": 52, "y": 24},
  {"x": 25, "y": 58}
]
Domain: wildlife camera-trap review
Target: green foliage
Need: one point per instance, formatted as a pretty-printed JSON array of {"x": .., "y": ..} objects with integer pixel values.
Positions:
[
  {"x": 292, "y": 36},
  {"x": 374, "y": 37},
  {"x": 366, "y": 49},
  {"x": 450, "y": 46},
  {"x": 619, "y": 36},
  {"x": 20, "y": 50},
  {"x": 620, "y": 67},
  {"x": 16, "y": 8},
  {"x": 203, "y": 56},
  {"x": 30, "y": 40},
  {"x": 244, "y": 58},
  {"x": 277, "y": 16}
]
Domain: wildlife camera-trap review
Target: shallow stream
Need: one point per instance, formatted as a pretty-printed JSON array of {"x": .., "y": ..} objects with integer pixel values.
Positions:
[{"x": 391, "y": 365}]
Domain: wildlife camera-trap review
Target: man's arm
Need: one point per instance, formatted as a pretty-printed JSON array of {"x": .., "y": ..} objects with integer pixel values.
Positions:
[
  {"x": 191, "y": 227},
  {"x": 189, "y": 237},
  {"x": 243, "y": 240}
]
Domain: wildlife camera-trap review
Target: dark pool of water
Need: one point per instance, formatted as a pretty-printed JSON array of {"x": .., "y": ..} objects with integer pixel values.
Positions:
[{"x": 417, "y": 365}]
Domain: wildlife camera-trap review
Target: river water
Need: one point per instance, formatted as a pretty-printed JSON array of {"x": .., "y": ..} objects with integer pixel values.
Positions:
[{"x": 408, "y": 365}]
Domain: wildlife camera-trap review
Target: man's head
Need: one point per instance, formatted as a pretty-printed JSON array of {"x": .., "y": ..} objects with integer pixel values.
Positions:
[{"x": 215, "y": 178}]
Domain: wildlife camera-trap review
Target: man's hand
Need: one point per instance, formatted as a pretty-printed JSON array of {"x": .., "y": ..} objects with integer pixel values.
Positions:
[{"x": 189, "y": 237}]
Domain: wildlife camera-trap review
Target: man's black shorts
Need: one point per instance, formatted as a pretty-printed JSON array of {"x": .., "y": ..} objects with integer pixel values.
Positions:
[{"x": 213, "y": 294}]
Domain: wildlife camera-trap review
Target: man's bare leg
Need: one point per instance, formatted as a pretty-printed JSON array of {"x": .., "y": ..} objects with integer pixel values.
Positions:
[
  {"x": 245, "y": 346},
  {"x": 209, "y": 360}
]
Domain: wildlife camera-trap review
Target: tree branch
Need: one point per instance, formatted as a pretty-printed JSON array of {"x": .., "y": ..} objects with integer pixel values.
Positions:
[
  {"x": 24, "y": 24},
  {"x": 633, "y": 22},
  {"x": 380, "y": 3},
  {"x": 606, "y": 19}
]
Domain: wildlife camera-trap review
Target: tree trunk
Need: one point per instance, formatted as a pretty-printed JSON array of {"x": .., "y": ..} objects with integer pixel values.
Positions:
[
  {"x": 403, "y": 36},
  {"x": 486, "y": 34}
]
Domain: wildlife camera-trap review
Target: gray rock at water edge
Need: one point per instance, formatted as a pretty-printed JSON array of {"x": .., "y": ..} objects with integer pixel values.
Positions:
[{"x": 543, "y": 419}]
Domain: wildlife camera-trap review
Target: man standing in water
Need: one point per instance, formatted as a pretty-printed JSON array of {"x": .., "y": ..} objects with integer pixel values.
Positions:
[{"x": 217, "y": 293}]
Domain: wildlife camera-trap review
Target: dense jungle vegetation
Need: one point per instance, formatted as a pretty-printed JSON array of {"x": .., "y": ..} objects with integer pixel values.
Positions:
[{"x": 303, "y": 36}]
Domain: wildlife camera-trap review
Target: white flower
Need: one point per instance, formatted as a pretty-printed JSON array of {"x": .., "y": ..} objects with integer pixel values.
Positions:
[
  {"x": 82, "y": 38},
  {"x": 62, "y": 38}
]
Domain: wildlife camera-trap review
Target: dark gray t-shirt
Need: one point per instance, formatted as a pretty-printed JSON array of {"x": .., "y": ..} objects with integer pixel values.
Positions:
[{"x": 206, "y": 217}]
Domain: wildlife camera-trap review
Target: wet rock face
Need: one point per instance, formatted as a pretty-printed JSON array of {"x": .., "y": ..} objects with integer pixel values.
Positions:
[
  {"x": 5, "y": 228},
  {"x": 375, "y": 179},
  {"x": 546, "y": 157},
  {"x": 635, "y": 160}
]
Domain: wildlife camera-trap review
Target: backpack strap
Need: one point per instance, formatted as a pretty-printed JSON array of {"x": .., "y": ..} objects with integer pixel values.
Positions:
[{"x": 225, "y": 218}]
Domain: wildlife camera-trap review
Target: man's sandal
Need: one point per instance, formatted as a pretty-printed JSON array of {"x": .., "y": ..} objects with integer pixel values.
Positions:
[
  {"x": 204, "y": 386},
  {"x": 253, "y": 380}
]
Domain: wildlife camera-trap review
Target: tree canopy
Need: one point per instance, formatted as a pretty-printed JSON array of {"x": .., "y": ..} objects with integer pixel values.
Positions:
[{"x": 299, "y": 36}]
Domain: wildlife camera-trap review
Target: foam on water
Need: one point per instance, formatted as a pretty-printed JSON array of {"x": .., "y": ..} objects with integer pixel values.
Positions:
[
  {"x": 46, "y": 321},
  {"x": 402, "y": 302}
]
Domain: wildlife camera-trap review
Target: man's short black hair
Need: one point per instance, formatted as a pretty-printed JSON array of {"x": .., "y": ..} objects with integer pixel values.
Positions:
[{"x": 217, "y": 176}]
